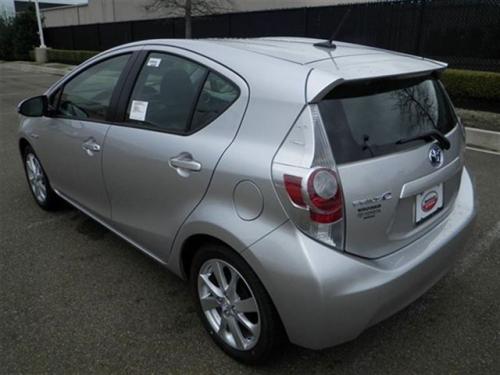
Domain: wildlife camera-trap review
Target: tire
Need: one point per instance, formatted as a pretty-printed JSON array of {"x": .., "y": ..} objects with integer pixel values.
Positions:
[
  {"x": 255, "y": 345},
  {"x": 38, "y": 181}
]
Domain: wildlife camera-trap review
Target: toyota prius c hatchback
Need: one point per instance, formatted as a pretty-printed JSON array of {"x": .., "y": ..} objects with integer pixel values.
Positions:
[{"x": 307, "y": 190}]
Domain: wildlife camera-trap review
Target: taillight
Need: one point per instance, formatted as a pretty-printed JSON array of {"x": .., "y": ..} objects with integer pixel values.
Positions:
[
  {"x": 322, "y": 194},
  {"x": 307, "y": 180},
  {"x": 293, "y": 185},
  {"x": 325, "y": 196}
]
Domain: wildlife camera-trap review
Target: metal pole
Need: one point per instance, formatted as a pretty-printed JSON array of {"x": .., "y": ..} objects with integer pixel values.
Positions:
[{"x": 40, "y": 29}]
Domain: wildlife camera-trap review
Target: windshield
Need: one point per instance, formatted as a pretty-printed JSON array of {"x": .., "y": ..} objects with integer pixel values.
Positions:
[{"x": 368, "y": 119}]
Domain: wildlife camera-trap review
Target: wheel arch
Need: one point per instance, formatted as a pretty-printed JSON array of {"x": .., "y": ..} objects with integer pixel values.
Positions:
[
  {"x": 191, "y": 245},
  {"x": 23, "y": 143}
]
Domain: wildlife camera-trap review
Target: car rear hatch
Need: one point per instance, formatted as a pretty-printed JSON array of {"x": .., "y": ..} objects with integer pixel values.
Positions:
[{"x": 398, "y": 177}]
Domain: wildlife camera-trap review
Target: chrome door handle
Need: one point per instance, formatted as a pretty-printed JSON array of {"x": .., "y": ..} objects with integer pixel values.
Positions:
[
  {"x": 90, "y": 146},
  {"x": 184, "y": 163}
]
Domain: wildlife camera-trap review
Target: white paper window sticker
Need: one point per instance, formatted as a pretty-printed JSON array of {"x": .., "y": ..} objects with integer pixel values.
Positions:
[
  {"x": 154, "y": 61},
  {"x": 138, "y": 110}
]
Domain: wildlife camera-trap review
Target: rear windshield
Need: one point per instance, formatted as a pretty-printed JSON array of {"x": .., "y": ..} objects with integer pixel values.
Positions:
[{"x": 367, "y": 119}]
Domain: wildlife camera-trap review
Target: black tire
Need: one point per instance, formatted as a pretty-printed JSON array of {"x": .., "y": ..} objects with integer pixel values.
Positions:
[
  {"x": 271, "y": 335},
  {"x": 51, "y": 201}
]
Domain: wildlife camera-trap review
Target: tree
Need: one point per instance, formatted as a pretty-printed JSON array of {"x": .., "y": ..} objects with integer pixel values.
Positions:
[
  {"x": 189, "y": 8},
  {"x": 25, "y": 33},
  {"x": 6, "y": 38},
  {"x": 18, "y": 35}
]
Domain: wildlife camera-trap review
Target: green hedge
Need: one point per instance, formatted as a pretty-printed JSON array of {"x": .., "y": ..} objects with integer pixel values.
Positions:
[
  {"x": 68, "y": 56},
  {"x": 469, "y": 84}
]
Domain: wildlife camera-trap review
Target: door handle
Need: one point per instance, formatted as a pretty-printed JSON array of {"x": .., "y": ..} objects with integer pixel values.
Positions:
[
  {"x": 184, "y": 163},
  {"x": 90, "y": 146}
]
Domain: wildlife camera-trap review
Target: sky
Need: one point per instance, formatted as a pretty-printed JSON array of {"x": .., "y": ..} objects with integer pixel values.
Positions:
[{"x": 7, "y": 6}]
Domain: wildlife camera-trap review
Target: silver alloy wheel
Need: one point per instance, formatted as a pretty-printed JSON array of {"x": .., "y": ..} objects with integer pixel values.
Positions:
[
  {"x": 229, "y": 304},
  {"x": 36, "y": 178}
]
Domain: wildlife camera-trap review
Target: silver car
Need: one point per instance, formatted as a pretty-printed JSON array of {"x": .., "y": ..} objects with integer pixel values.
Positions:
[{"x": 307, "y": 190}]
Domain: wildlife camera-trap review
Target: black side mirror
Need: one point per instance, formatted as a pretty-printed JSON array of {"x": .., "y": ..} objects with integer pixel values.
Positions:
[{"x": 34, "y": 107}]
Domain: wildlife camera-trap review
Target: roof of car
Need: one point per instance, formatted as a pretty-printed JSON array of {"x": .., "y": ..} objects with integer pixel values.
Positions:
[
  {"x": 303, "y": 50},
  {"x": 296, "y": 50},
  {"x": 285, "y": 60}
]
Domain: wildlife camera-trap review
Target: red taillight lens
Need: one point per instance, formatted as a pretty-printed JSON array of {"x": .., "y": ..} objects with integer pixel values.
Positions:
[
  {"x": 324, "y": 195},
  {"x": 293, "y": 185}
]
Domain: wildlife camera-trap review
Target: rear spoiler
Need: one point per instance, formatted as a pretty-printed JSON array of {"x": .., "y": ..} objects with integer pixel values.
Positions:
[{"x": 320, "y": 82}]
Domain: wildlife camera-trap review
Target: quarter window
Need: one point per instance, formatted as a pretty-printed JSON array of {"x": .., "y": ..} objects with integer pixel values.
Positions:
[
  {"x": 88, "y": 95},
  {"x": 166, "y": 92},
  {"x": 217, "y": 95}
]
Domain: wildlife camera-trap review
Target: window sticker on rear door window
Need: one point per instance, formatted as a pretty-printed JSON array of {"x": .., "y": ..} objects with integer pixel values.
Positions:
[
  {"x": 138, "y": 110},
  {"x": 154, "y": 62}
]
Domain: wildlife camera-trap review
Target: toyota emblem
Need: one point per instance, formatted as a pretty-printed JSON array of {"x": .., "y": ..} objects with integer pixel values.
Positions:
[{"x": 436, "y": 156}]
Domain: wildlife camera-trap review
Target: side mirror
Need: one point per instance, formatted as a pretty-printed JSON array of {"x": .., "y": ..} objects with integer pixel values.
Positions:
[{"x": 34, "y": 107}]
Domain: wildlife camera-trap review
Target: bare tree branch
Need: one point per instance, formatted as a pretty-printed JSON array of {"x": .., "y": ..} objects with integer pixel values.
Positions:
[{"x": 189, "y": 8}]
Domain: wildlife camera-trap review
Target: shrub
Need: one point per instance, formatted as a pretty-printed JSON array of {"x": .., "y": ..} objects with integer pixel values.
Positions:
[
  {"x": 468, "y": 84},
  {"x": 18, "y": 35},
  {"x": 25, "y": 36},
  {"x": 6, "y": 38},
  {"x": 69, "y": 56}
]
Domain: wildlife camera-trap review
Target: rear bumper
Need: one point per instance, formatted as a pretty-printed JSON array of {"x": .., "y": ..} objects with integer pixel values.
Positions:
[{"x": 325, "y": 297}]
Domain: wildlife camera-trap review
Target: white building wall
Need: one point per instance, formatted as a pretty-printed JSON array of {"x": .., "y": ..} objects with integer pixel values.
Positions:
[{"x": 100, "y": 11}]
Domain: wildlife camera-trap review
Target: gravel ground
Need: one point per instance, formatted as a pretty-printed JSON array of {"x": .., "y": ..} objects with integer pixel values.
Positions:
[{"x": 74, "y": 298}]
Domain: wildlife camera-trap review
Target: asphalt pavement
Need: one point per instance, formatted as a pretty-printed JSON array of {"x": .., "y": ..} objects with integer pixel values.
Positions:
[{"x": 76, "y": 298}]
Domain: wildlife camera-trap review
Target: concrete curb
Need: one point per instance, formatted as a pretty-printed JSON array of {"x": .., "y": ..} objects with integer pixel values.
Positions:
[
  {"x": 485, "y": 139},
  {"x": 34, "y": 68}
]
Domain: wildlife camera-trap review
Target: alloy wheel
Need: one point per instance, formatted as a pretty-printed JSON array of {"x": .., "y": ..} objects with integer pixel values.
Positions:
[
  {"x": 229, "y": 304},
  {"x": 36, "y": 178}
]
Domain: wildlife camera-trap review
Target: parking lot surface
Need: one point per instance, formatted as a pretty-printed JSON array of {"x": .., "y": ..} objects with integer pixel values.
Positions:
[{"x": 76, "y": 298}]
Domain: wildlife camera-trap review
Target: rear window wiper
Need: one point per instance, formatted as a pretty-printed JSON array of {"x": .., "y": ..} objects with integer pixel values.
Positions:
[{"x": 435, "y": 134}]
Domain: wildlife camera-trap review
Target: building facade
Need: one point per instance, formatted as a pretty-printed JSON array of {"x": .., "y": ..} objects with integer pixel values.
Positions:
[
  {"x": 104, "y": 11},
  {"x": 22, "y": 5}
]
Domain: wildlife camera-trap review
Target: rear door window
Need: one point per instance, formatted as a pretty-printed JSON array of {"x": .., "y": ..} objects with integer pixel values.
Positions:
[
  {"x": 166, "y": 93},
  {"x": 367, "y": 119}
]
